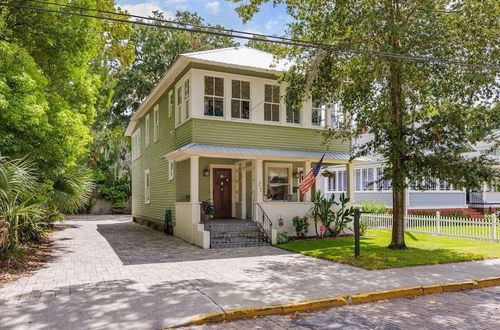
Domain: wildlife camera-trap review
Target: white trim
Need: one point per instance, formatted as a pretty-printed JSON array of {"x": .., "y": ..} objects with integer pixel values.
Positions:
[
  {"x": 289, "y": 166},
  {"x": 233, "y": 190},
  {"x": 171, "y": 106},
  {"x": 147, "y": 186},
  {"x": 147, "y": 131},
  {"x": 171, "y": 170},
  {"x": 156, "y": 123}
]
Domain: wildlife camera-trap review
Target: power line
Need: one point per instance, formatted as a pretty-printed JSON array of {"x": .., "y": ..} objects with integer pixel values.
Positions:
[{"x": 196, "y": 28}]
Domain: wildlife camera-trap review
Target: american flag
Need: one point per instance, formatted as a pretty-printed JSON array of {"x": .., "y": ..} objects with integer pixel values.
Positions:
[{"x": 309, "y": 179}]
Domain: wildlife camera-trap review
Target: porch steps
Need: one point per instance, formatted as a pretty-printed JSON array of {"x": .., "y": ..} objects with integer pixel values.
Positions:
[{"x": 235, "y": 233}]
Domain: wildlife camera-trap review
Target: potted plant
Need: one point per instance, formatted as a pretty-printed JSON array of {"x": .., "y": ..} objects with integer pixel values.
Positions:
[
  {"x": 328, "y": 174},
  {"x": 207, "y": 210}
]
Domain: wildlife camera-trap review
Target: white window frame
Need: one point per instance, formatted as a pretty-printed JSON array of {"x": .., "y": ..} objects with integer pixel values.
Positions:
[
  {"x": 170, "y": 170},
  {"x": 339, "y": 180},
  {"x": 136, "y": 144},
  {"x": 214, "y": 96},
  {"x": 147, "y": 123},
  {"x": 178, "y": 105},
  {"x": 147, "y": 186},
  {"x": 156, "y": 123},
  {"x": 279, "y": 165},
  {"x": 273, "y": 103},
  {"x": 171, "y": 103},
  {"x": 240, "y": 99},
  {"x": 294, "y": 113},
  {"x": 321, "y": 109},
  {"x": 186, "y": 100}
]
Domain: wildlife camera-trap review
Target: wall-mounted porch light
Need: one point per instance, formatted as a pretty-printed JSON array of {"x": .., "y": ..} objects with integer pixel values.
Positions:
[{"x": 206, "y": 172}]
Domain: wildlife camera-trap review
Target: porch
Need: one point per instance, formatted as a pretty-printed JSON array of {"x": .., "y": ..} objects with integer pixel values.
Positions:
[{"x": 243, "y": 184}]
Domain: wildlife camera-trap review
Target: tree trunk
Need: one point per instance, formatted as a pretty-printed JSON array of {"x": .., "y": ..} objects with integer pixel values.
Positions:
[{"x": 397, "y": 135}]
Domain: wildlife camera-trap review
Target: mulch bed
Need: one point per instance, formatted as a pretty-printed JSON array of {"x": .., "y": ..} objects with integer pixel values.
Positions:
[{"x": 34, "y": 257}]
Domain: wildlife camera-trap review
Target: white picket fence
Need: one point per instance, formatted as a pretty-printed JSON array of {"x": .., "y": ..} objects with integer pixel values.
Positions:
[{"x": 439, "y": 225}]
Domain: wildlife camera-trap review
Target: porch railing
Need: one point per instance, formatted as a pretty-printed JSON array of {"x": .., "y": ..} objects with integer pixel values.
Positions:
[{"x": 265, "y": 224}]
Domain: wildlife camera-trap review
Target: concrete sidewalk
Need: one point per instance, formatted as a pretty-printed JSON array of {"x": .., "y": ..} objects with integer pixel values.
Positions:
[{"x": 107, "y": 272}]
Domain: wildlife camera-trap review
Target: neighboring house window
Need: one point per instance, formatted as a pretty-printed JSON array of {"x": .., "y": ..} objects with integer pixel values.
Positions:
[
  {"x": 147, "y": 186},
  {"x": 338, "y": 182},
  {"x": 170, "y": 169},
  {"x": 147, "y": 124},
  {"x": 332, "y": 183},
  {"x": 444, "y": 185},
  {"x": 171, "y": 103},
  {"x": 292, "y": 115},
  {"x": 271, "y": 103},
  {"x": 179, "y": 105},
  {"x": 136, "y": 144},
  {"x": 367, "y": 183},
  {"x": 318, "y": 113},
  {"x": 431, "y": 184},
  {"x": 278, "y": 181},
  {"x": 357, "y": 174},
  {"x": 240, "y": 99},
  {"x": 382, "y": 185},
  {"x": 336, "y": 116},
  {"x": 156, "y": 128},
  {"x": 187, "y": 94},
  {"x": 214, "y": 96}
]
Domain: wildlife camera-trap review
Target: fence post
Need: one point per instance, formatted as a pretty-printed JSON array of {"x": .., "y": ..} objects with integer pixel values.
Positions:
[
  {"x": 438, "y": 222},
  {"x": 494, "y": 226}
]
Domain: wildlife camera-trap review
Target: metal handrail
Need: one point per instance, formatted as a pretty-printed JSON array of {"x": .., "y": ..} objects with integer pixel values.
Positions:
[{"x": 266, "y": 225}]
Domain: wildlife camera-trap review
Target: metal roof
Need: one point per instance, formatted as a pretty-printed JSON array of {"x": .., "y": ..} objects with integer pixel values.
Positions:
[
  {"x": 241, "y": 56},
  {"x": 194, "y": 148}
]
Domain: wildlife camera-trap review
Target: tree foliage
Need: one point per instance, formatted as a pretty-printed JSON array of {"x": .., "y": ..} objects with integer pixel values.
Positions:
[{"x": 422, "y": 115}]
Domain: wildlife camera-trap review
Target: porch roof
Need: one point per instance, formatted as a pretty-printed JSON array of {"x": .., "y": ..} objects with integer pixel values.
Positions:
[{"x": 225, "y": 151}]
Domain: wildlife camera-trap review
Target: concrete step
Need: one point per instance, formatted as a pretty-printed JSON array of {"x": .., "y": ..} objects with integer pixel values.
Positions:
[{"x": 236, "y": 245}]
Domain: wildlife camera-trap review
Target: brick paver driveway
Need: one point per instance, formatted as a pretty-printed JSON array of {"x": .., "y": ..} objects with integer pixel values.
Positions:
[
  {"x": 477, "y": 309},
  {"x": 108, "y": 272}
]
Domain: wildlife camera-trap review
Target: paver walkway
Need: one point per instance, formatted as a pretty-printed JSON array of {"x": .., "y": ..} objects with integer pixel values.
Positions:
[
  {"x": 476, "y": 309},
  {"x": 108, "y": 272}
]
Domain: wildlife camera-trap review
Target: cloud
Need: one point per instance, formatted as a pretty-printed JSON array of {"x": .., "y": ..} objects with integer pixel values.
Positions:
[
  {"x": 146, "y": 9},
  {"x": 213, "y": 6},
  {"x": 271, "y": 24}
]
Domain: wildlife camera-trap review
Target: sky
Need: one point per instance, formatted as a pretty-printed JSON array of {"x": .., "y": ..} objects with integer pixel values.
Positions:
[{"x": 269, "y": 20}]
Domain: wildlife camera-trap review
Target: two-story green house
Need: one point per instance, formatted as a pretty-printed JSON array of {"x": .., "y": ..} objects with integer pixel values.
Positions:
[{"x": 216, "y": 129}]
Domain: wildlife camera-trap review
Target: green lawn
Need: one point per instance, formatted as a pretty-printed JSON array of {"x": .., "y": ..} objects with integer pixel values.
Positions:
[{"x": 424, "y": 249}]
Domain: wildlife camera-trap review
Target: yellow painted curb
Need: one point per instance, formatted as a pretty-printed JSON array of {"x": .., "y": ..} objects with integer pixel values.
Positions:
[{"x": 243, "y": 313}]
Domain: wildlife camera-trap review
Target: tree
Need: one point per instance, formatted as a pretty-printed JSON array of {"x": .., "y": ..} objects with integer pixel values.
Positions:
[{"x": 422, "y": 114}]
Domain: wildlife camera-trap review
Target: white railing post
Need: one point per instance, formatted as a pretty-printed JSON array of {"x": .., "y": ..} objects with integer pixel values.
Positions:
[
  {"x": 494, "y": 226},
  {"x": 438, "y": 222}
]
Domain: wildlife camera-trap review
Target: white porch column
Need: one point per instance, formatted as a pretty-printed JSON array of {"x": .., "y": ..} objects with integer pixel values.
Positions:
[
  {"x": 194, "y": 166},
  {"x": 350, "y": 181},
  {"x": 307, "y": 169},
  {"x": 259, "y": 184},
  {"x": 243, "y": 192}
]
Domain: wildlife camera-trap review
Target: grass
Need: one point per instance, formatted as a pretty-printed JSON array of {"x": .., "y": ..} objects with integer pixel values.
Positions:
[{"x": 424, "y": 249}]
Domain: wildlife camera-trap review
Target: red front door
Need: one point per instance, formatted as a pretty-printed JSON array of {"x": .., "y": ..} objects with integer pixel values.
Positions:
[{"x": 222, "y": 198}]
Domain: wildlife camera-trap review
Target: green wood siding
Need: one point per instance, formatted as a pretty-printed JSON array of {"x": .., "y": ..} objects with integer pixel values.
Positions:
[{"x": 260, "y": 136}]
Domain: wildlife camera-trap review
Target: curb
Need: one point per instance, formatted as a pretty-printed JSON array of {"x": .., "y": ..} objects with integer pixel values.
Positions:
[{"x": 244, "y": 313}]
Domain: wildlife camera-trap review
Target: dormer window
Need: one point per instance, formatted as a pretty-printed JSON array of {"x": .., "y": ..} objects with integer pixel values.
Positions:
[
  {"x": 214, "y": 96},
  {"x": 271, "y": 103},
  {"x": 240, "y": 99}
]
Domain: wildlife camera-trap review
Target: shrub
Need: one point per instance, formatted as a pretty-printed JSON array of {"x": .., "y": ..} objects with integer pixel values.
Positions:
[
  {"x": 373, "y": 207},
  {"x": 282, "y": 238},
  {"x": 334, "y": 222},
  {"x": 362, "y": 228},
  {"x": 301, "y": 225}
]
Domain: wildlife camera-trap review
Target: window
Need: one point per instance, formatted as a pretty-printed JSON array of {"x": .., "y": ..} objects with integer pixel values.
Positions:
[
  {"x": 271, "y": 103},
  {"x": 318, "y": 113},
  {"x": 332, "y": 183},
  {"x": 292, "y": 115},
  {"x": 146, "y": 138},
  {"x": 367, "y": 179},
  {"x": 187, "y": 92},
  {"x": 444, "y": 185},
  {"x": 342, "y": 186},
  {"x": 170, "y": 169},
  {"x": 156, "y": 127},
  {"x": 357, "y": 174},
  {"x": 431, "y": 184},
  {"x": 240, "y": 99},
  {"x": 147, "y": 187},
  {"x": 214, "y": 96},
  {"x": 336, "y": 116},
  {"x": 171, "y": 103},
  {"x": 136, "y": 144},
  {"x": 338, "y": 182},
  {"x": 278, "y": 181},
  {"x": 381, "y": 183},
  {"x": 178, "y": 111}
]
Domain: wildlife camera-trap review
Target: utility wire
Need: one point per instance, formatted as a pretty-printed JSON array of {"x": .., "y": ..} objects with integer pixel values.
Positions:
[{"x": 243, "y": 35}]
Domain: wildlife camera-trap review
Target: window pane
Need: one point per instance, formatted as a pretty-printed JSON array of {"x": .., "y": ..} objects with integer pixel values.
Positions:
[
  {"x": 277, "y": 175},
  {"x": 245, "y": 109},
  {"x": 219, "y": 87},
  {"x": 358, "y": 179},
  {"x": 276, "y": 94},
  {"x": 209, "y": 85},
  {"x": 245, "y": 90},
  {"x": 235, "y": 87},
  {"x": 218, "y": 107},
  {"x": 277, "y": 192},
  {"x": 275, "y": 112},
  {"x": 268, "y": 93},
  {"x": 186, "y": 108},
  {"x": 235, "y": 109},
  {"x": 209, "y": 106},
  {"x": 292, "y": 115},
  {"x": 179, "y": 95},
  {"x": 186, "y": 89},
  {"x": 267, "y": 111},
  {"x": 315, "y": 117}
]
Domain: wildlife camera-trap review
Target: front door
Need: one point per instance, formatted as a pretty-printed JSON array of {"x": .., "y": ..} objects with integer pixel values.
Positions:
[{"x": 222, "y": 191}]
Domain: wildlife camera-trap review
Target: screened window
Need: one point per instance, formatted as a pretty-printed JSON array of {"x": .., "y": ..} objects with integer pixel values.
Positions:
[
  {"x": 318, "y": 113},
  {"x": 156, "y": 127},
  {"x": 240, "y": 99},
  {"x": 147, "y": 124},
  {"x": 278, "y": 182},
  {"x": 147, "y": 187},
  {"x": 271, "y": 103},
  {"x": 214, "y": 96}
]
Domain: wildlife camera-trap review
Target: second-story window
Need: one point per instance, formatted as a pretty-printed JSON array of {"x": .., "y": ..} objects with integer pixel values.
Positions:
[
  {"x": 171, "y": 103},
  {"x": 148, "y": 132},
  {"x": 240, "y": 99},
  {"x": 186, "y": 99},
  {"x": 214, "y": 96},
  {"x": 271, "y": 103},
  {"x": 179, "y": 105},
  {"x": 336, "y": 116},
  {"x": 318, "y": 114},
  {"x": 156, "y": 127},
  {"x": 292, "y": 115}
]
